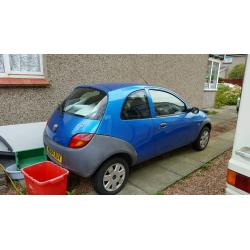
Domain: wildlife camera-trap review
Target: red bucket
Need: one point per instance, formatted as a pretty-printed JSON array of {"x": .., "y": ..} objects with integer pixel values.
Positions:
[{"x": 45, "y": 178}]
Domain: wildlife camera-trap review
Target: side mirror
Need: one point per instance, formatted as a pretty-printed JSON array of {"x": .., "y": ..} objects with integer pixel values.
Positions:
[{"x": 193, "y": 110}]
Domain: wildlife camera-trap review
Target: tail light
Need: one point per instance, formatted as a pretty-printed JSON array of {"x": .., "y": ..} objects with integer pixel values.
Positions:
[
  {"x": 238, "y": 180},
  {"x": 80, "y": 140}
]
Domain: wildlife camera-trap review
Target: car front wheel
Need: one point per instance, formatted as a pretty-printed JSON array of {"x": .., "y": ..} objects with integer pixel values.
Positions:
[
  {"x": 111, "y": 176},
  {"x": 202, "y": 140}
]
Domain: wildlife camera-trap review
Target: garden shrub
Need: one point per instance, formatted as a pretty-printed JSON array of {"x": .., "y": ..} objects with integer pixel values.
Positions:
[
  {"x": 226, "y": 96},
  {"x": 237, "y": 71}
]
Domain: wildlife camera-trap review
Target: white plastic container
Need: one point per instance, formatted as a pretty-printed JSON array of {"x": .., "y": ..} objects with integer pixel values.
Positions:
[{"x": 13, "y": 173}]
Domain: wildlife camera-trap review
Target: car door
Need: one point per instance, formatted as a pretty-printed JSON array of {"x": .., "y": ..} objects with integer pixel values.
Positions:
[
  {"x": 135, "y": 124},
  {"x": 173, "y": 126}
]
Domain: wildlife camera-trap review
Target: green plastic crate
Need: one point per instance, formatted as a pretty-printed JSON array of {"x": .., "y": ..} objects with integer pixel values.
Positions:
[{"x": 30, "y": 157}]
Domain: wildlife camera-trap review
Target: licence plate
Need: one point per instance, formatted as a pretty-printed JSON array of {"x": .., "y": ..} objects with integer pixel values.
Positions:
[{"x": 54, "y": 154}]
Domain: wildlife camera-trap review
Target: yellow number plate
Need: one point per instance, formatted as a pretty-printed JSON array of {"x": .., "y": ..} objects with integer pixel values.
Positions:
[{"x": 54, "y": 154}]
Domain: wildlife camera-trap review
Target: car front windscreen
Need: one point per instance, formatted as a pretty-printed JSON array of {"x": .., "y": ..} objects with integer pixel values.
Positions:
[{"x": 89, "y": 103}]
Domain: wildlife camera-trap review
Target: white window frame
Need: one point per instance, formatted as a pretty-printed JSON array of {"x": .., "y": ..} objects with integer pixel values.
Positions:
[
  {"x": 210, "y": 75},
  {"x": 9, "y": 73}
]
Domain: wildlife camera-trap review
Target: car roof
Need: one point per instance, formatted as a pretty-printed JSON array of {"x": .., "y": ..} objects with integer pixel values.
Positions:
[
  {"x": 109, "y": 87},
  {"x": 114, "y": 86}
]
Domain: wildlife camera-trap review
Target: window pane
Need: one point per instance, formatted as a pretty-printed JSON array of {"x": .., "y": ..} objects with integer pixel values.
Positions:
[
  {"x": 214, "y": 76},
  {"x": 206, "y": 86},
  {"x": 86, "y": 102},
  {"x": 1, "y": 64},
  {"x": 25, "y": 62},
  {"x": 136, "y": 106},
  {"x": 166, "y": 104},
  {"x": 208, "y": 71}
]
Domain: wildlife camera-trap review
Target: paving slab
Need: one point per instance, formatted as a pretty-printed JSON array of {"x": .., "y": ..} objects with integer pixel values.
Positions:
[
  {"x": 152, "y": 178},
  {"x": 227, "y": 135},
  {"x": 180, "y": 165},
  {"x": 222, "y": 117},
  {"x": 198, "y": 156},
  {"x": 202, "y": 156},
  {"x": 131, "y": 189},
  {"x": 224, "y": 114},
  {"x": 221, "y": 145}
]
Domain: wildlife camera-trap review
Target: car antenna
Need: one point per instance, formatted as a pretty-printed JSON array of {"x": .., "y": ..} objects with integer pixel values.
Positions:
[
  {"x": 141, "y": 76},
  {"x": 145, "y": 80}
]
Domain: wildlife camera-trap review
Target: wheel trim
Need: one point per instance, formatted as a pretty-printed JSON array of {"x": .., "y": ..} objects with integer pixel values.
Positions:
[
  {"x": 204, "y": 139},
  {"x": 114, "y": 177}
]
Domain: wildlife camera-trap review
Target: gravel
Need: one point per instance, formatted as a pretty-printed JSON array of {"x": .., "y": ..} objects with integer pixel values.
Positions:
[
  {"x": 210, "y": 179},
  {"x": 79, "y": 185}
]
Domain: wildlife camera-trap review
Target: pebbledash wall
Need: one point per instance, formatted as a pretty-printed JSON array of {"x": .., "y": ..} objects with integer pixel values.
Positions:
[
  {"x": 184, "y": 74},
  {"x": 209, "y": 98}
]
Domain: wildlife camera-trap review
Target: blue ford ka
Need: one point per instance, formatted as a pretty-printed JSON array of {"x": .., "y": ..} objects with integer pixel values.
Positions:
[{"x": 101, "y": 130}]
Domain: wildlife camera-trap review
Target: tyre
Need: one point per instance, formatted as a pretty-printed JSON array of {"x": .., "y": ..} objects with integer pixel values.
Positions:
[
  {"x": 202, "y": 140},
  {"x": 112, "y": 176}
]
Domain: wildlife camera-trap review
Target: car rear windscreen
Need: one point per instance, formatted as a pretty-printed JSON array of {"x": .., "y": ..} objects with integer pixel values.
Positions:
[{"x": 86, "y": 102}]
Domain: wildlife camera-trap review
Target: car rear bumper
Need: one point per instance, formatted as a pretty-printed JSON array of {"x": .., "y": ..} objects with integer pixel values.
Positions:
[
  {"x": 86, "y": 160},
  {"x": 76, "y": 160}
]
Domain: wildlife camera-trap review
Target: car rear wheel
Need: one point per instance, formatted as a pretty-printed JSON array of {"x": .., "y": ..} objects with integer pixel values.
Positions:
[
  {"x": 202, "y": 140},
  {"x": 111, "y": 176}
]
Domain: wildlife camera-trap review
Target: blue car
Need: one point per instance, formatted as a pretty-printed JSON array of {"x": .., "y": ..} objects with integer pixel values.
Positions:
[{"x": 101, "y": 130}]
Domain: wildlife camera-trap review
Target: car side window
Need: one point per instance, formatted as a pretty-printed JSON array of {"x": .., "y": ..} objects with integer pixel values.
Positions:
[
  {"x": 166, "y": 103},
  {"x": 136, "y": 106}
]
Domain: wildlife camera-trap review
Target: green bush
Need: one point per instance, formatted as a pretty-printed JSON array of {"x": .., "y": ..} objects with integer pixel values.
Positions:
[
  {"x": 226, "y": 96},
  {"x": 237, "y": 72}
]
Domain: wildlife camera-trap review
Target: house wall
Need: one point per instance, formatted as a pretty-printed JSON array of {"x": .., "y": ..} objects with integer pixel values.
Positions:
[
  {"x": 209, "y": 99},
  {"x": 184, "y": 74}
]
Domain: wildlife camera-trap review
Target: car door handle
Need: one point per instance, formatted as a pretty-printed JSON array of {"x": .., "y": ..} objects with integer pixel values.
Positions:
[{"x": 163, "y": 124}]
